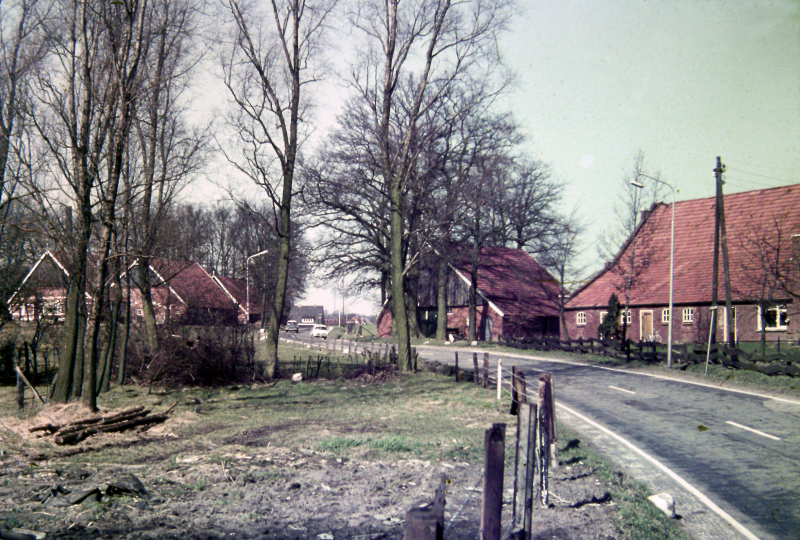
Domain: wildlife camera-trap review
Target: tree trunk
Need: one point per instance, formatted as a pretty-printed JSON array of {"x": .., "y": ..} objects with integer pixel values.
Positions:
[
  {"x": 148, "y": 313},
  {"x": 111, "y": 332},
  {"x": 441, "y": 301},
  {"x": 473, "y": 297},
  {"x": 399, "y": 313}
]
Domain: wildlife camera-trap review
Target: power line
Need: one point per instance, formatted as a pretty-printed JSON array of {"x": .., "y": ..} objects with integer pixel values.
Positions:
[
  {"x": 767, "y": 167},
  {"x": 761, "y": 175},
  {"x": 747, "y": 183}
]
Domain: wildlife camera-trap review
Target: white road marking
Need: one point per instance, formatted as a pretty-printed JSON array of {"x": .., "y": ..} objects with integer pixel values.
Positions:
[
  {"x": 622, "y": 390},
  {"x": 767, "y": 435},
  {"x": 686, "y": 485},
  {"x": 673, "y": 379}
]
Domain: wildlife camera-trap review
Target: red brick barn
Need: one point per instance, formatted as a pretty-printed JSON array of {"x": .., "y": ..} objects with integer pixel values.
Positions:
[{"x": 516, "y": 297}]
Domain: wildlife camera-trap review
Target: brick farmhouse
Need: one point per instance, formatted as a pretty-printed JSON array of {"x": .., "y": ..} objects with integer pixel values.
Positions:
[
  {"x": 763, "y": 237},
  {"x": 182, "y": 292}
]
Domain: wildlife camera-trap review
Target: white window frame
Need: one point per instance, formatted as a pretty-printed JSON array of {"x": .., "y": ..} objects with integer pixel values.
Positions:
[
  {"x": 688, "y": 315},
  {"x": 780, "y": 309},
  {"x": 627, "y": 315},
  {"x": 603, "y": 315},
  {"x": 665, "y": 316},
  {"x": 580, "y": 318}
]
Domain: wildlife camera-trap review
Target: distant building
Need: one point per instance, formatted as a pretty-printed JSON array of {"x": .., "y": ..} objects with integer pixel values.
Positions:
[
  {"x": 182, "y": 292},
  {"x": 517, "y": 297},
  {"x": 307, "y": 315}
]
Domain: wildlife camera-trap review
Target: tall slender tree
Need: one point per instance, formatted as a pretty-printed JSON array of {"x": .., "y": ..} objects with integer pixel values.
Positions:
[
  {"x": 434, "y": 44},
  {"x": 271, "y": 57}
]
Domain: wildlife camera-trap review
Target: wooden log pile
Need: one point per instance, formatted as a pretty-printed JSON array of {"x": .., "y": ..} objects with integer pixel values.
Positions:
[{"x": 75, "y": 432}]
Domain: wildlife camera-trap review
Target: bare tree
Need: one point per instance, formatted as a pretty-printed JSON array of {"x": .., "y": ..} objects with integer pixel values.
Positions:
[
  {"x": 560, "y": 258},
  {"x": 636, "y": 250},
  {"x": 770, "y": 269},
  {"x": 75, "y": 115},
  {"x": 268, "y": 62},
  {"x": 434, "y": 44},
  {"x": 169, "y": 152}
]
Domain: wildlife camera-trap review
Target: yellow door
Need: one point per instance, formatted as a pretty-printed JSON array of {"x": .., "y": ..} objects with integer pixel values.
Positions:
[{"x": 647, "y": 325}]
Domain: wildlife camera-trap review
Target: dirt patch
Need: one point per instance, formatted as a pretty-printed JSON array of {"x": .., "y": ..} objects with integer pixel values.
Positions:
[{"x": 245, "y": 486}]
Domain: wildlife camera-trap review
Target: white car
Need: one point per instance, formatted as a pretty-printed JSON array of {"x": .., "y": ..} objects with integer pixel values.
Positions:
[{"x": 319, "y": 331}]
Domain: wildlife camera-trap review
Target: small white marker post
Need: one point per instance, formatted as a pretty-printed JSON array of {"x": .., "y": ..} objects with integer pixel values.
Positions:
[{"x": 499, "y": 379}]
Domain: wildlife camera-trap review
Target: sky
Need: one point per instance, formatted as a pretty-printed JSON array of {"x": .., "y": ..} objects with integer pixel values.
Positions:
[{"x": 682, "y": 81}]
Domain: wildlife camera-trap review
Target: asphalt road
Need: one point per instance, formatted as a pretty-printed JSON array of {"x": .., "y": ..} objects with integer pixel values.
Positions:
[{"x": 694, "y": 442}]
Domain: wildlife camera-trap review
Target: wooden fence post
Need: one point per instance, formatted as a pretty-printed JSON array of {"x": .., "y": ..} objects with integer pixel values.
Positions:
[
  {"x": 499, "y": 379},
  {"x": 542, "y": 460},
  {"x": 426, "y": 522},
  {"x": 477, "y": 376},
  {"x": 485, "y": 377},
  {"x": 456, "y": 367},
  {"x": 514, "y": 396},
  {"x": 519, "y": 391},
  {"x": 20, "y": 384},
  {"x": 494, "y": 444},
  {"x": 524, "y": 466}
]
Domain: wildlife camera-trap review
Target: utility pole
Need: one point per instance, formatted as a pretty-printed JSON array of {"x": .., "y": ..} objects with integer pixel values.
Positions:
[
  {"x": 715, "y": 272},
  {"x": 726, "y": 275}
]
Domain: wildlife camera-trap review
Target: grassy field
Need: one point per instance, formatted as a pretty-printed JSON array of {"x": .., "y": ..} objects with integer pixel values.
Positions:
[{"x": 413, "y": 416}]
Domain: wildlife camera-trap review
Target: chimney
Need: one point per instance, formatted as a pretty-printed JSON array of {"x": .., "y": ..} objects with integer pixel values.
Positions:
[{"x": 643, "y": 215}]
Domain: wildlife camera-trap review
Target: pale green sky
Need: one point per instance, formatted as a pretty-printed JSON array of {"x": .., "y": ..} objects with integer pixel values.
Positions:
[
  {"x": 682, "y": 80},
  {"x": 685, "y": 81}
]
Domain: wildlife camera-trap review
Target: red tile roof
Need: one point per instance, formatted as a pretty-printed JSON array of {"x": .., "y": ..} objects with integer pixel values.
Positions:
[
  {"x": 751, "y": 218},
  {"x": 193, "y": 284},
  {"x": 513, "y": 281},
  {"x": 236, "y": 288}
]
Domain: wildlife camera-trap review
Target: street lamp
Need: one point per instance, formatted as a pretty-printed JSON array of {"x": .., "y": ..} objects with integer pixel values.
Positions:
[
  {"x": 247, "y": 280},
  {"x": 635, "y": 182}
]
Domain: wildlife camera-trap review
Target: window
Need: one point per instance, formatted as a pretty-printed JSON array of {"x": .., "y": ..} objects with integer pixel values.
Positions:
[
  {"x": 688, "y": 315},
  {"x": 581, "y": 318},
  {"x": 665, "y": 316},
  {"x": 773, "y": 317},
  {"x": 627, "y": 317},
  {"x": 603, "y": 316},
  {"x": 308, "y": 319}
]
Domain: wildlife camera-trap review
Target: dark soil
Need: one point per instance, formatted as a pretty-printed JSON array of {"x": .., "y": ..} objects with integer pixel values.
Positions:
[{"x": 248, "y": 488}]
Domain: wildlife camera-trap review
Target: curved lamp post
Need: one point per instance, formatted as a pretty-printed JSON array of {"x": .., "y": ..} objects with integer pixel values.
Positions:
[
  {"x": 635, "y": 182},
  {"x": 247, "y": 280}
]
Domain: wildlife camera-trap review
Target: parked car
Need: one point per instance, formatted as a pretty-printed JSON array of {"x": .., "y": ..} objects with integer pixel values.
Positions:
[
  {"x": 319, "y": 331},
  {"x": 291, "y": 326}
]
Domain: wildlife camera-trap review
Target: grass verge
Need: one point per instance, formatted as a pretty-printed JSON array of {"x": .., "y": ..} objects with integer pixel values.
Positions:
[{"x": 638, "y": 518}]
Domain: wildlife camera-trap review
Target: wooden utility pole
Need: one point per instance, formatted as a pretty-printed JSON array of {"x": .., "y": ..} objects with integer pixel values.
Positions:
[
  {"x": 726, "y": 274},
  {"x": 715, "y": 272}
]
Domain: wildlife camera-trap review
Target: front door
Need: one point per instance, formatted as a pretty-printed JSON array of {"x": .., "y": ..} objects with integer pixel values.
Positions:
[{"x": 646, "y": 326}]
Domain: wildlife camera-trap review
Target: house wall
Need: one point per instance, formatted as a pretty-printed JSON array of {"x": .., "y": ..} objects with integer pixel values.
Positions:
[
  {"x": 490, "y": 326},
  {"x": 696, "y": 331}
]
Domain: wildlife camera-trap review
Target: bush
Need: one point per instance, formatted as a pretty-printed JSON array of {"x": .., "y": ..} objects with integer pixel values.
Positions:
[{"x": 211, "y": 356}]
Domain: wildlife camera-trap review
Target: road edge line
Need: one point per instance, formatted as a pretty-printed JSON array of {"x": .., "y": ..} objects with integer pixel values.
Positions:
[
  {"x": 669, "y": 472},
  {"x": 587, "y": 364}
]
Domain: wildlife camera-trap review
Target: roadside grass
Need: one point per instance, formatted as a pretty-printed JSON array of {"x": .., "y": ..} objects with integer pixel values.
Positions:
[{"x": 638, "y": 518}]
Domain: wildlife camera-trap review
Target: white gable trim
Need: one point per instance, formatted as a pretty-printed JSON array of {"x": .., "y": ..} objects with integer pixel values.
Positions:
[
  {"x": 216, "y": 280},
  {"x": 466, "y": 280},
  {"x": 35, "y": 266},
  {"x": 173, "y": 291}
]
